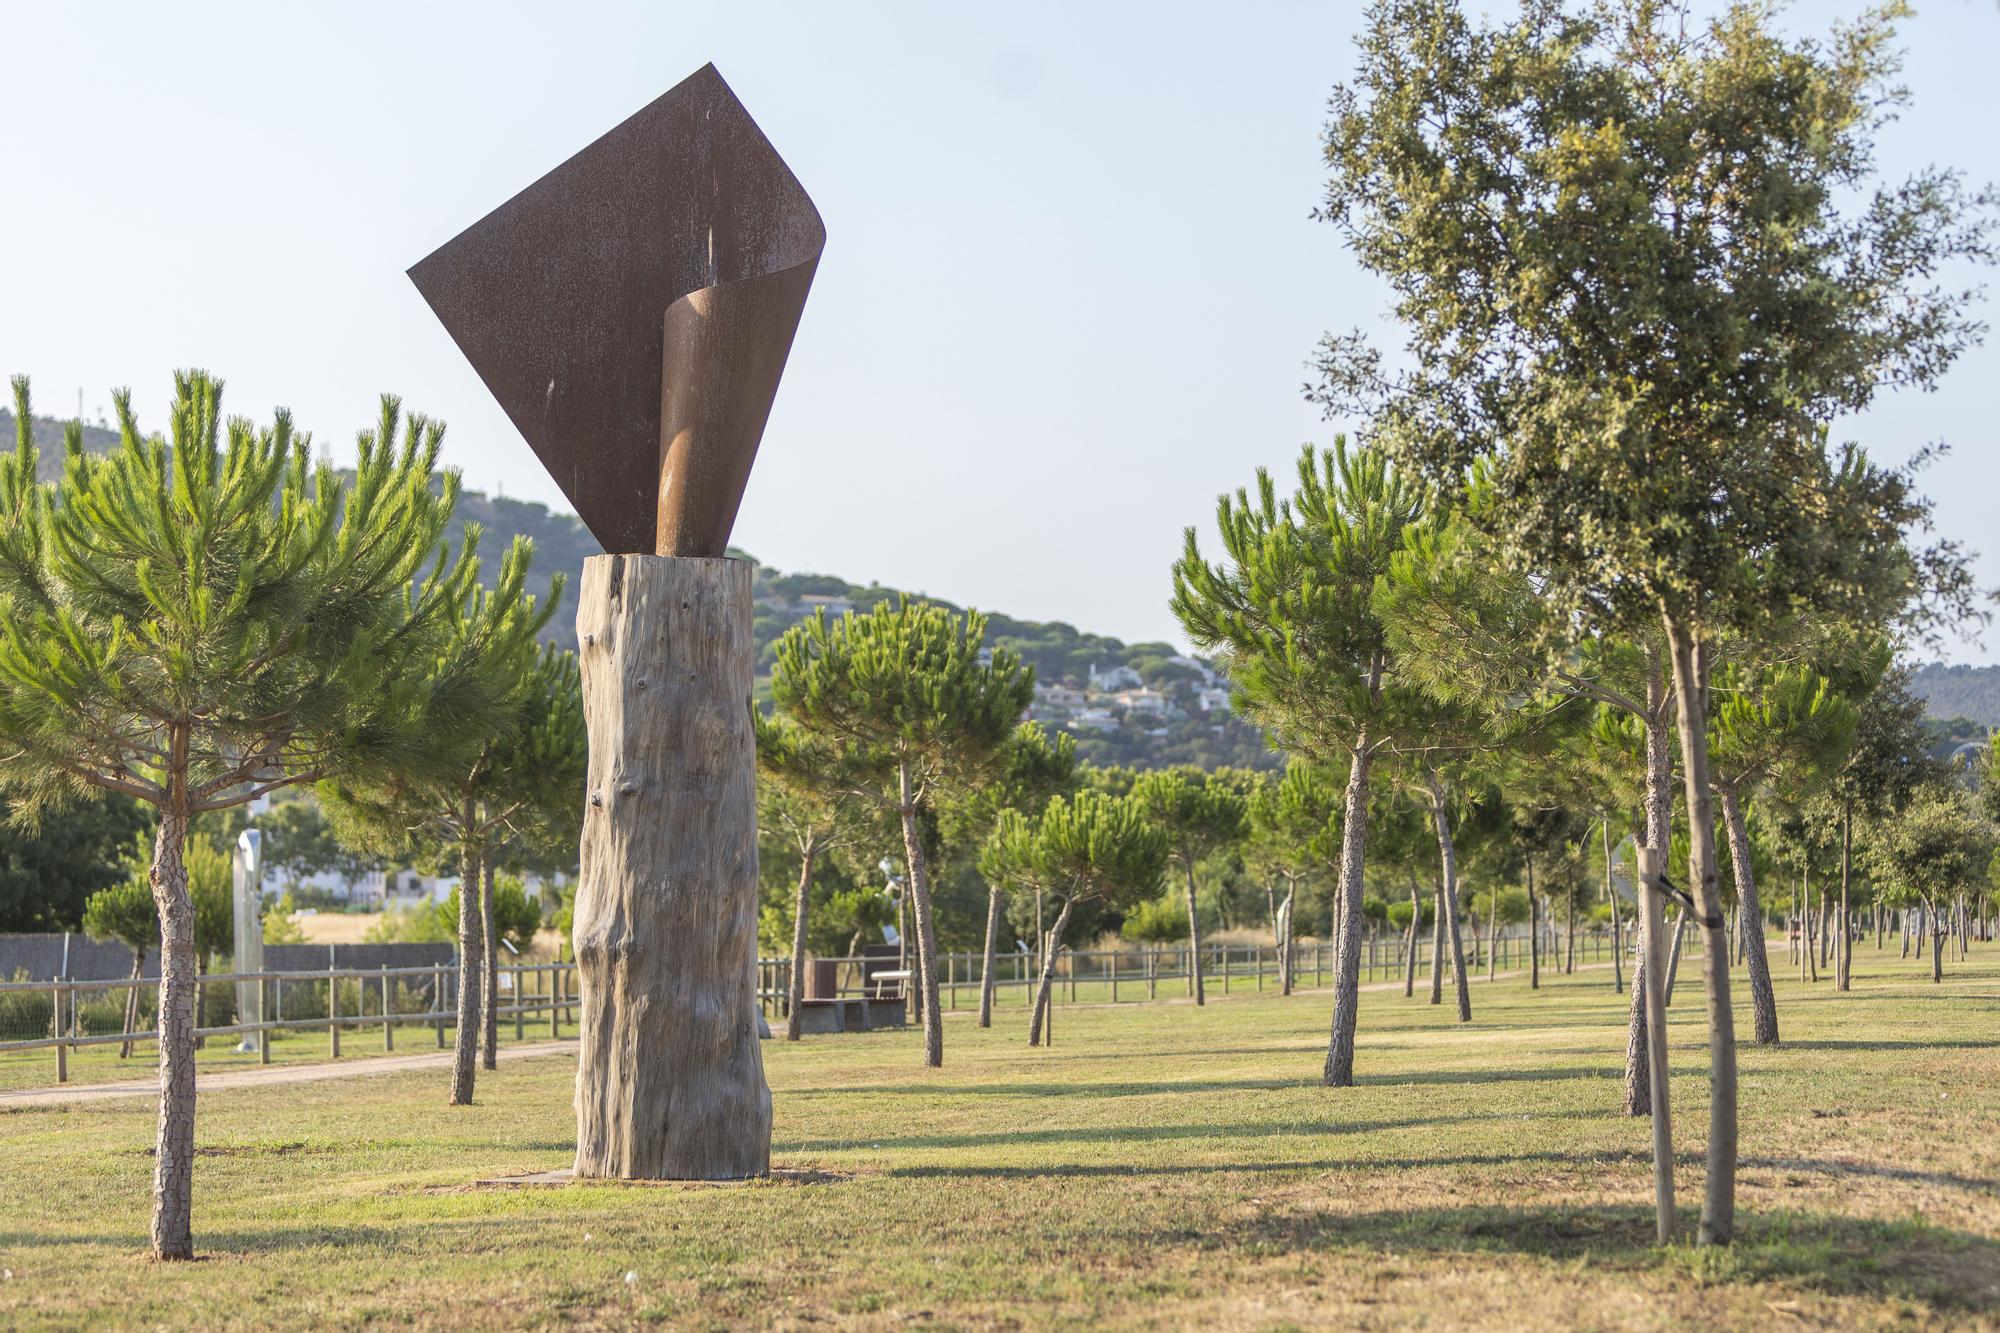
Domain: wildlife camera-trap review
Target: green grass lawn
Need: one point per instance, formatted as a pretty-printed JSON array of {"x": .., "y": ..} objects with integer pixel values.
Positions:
[{"x": 1161, "y": 1165}]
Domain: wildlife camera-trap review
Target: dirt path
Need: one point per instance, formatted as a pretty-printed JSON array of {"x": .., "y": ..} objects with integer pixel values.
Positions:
[
  {"x": 65, "y": 1095},
  {"x": 265, "y": 1076}
]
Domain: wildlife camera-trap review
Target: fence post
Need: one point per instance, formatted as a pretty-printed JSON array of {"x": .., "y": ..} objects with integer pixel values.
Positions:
[
  {"x": 1225, "y": 950},
  {"x": 520, "y": 1002},
  {"x": 555, "y": 993},
  {"x": 56, "y": 1028},
  {"x": 1114, "y": 976},
  {"x": 264, "y": 1032},
  {"x": 388, "y": 1013},
  {"x": 437, "y": 1001},
  {"x": 332, "y": 1003}
]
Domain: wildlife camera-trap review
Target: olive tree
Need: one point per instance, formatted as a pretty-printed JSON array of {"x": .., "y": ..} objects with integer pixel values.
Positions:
[{"x": 1633, "y": 286}]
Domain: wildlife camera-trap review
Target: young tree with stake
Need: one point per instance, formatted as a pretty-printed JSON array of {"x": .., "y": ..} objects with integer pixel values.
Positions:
[
  {"x": 911, "y": 683},
  {"x": 1290, "y": 607},
  {"x": 528, "y": 746},
  {"x": 1199, "y": 815},
  {"x": 197, "y": 621},
  {"x": 1086, "y": 847},
  {"x": 1629, "y": 282}
]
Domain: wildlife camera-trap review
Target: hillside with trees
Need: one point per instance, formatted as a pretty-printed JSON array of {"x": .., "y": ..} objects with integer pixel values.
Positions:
[{"x": 1136, "y": 705}]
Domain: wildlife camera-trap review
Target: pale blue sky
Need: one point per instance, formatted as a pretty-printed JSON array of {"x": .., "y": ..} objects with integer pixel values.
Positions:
[{"x": 1068, "y": 291}]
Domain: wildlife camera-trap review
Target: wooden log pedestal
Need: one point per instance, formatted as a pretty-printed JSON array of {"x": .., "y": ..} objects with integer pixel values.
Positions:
[{"x": 669, "y": 1079}]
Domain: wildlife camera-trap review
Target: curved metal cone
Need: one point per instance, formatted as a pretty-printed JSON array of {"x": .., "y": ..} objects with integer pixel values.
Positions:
[{"x": 632, "y": 312}]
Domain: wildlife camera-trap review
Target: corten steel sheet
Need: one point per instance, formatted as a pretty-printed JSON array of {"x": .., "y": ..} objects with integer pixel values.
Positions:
[{"x": 632, "y": 311}]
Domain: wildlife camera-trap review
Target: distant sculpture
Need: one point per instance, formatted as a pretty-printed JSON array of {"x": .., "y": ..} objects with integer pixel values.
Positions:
[{"x": 633, "y": 311}]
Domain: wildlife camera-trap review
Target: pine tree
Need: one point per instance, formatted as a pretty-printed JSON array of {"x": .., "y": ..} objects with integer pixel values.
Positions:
[
  {"x": 912, "y": 685},
  {"x": 1088, "y": 847},
  {"x": 1294, "y": 827},
  {"x": 812, "y": 789},
  {"x": 196, "y": 622},
  {"x": 529, "y": 753},
  {"x": 1200, "y": 815},
  {"x": 1291, "y": 610}
]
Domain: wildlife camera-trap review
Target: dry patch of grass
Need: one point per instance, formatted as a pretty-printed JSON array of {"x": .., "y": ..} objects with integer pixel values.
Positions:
[{"x": 1162, "y": 1166}]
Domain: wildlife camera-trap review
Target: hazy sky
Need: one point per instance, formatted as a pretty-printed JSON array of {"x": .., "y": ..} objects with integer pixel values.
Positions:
[{"x": 1069, "y": 286}]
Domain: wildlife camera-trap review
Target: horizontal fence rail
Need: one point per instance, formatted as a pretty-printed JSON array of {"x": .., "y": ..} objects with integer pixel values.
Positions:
[{"x": 69, "y": 1015}]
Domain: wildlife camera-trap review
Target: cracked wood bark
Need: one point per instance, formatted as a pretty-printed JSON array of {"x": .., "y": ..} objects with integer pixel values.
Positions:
[
  {"x": 670, "y": 1080},
  {"x": 173, "y": 1145}
]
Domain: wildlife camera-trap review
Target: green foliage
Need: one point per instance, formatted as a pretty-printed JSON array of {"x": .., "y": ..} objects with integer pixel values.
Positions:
[
  {"x": 1633, "y": 286},
  {"x": 516, "y": 916},
  {"x": 1089, "y": 846},
  {"x": 200, "y": 621},
  {"x": 908, "y": 682},
  {"x": 280, "y": 926},
  {"x": 1291, "y": 605},
  {"x": 48, "y": 870},
  {"x": 513, "y": 792},
  {"x": 1937, "y": 846},
  {"x": 1197, "y": 812},
  {"x": 124, "y": 912},
  {"x": 1161, "y": 920}
]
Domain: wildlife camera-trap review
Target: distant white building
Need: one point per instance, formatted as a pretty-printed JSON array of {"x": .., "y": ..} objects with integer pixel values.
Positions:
[
  {"x": 832, "y": 603},
  {"x": 1093, "y": 719},
  {"x": 1213, "y": 698},
  {"x": 1060, "y": 696},
  {"x": 1117, "y": 678},
  {"x": 1150, "y": 703}
]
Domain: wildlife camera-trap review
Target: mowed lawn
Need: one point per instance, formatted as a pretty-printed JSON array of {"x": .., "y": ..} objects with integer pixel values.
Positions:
[{"x": 1162, "y": 1165}]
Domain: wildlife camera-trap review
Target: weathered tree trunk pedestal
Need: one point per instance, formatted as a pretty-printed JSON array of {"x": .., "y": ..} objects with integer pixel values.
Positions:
[{"x": 669, "y": 1080}]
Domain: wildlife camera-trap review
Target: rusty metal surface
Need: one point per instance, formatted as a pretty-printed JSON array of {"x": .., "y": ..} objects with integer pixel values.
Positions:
[{"x": 632, "y": 311}]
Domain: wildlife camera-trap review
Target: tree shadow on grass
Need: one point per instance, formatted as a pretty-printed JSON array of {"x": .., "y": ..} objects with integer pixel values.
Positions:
[
  {"x": 1138, "y": 1088},
  {"x": 1132, "y": 1134},
  {"x": 1841, "y": 1044},
  {"x": 1818, "y": 1252}
]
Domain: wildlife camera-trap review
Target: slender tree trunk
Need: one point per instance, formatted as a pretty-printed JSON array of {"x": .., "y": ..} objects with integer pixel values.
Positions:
[
  {"x": 132, "y": 1003},
  {"x": 1649, "y": 989},
  {"x": 1339, "y": 1072},
  {"x": 1718, "y": 1209},
  {"x": 1611, "y": 899},
  {"x": 1934, "y": 924},
  {"x": 471, "y": 967},
  {"x": 1763, "y": 999},
  {"x": 1654, "y": 832},
  {"x": 1843, "y": 968},
  {"x": 801, "y": 913},
  {"x": 1569, "y": 933},
  {"x": 1437, "y": 947},
  {"x": 1534, "y": 930},
  {"x": 1492, "y": 932},
  {"x": 1416, "y": 924},
  {"x": 173, "y": 1149},
  {"x": 986, "y": 968},
  {"x": 1053, "y": 947},
  {"x": 920, "y": 897},
  {"x": 1285, "y": 938},
  {"x": 1194, "y": 929},
  {"x": 1448, "y": 898},
  {"x": 489, "y": 952},
  {"x": 1674, "y": 956}
]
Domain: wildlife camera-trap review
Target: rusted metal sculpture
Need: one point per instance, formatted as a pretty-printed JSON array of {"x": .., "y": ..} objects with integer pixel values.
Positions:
[{"x": 632, "y": 311}]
